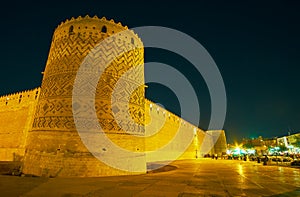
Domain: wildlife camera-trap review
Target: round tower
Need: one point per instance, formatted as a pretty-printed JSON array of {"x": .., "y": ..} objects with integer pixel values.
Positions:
[{"x": 54, "y": 147}]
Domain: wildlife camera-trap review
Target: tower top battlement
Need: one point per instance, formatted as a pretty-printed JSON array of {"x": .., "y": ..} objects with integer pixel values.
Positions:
[
  {"x": 90, "y": 26},
  {"x": 95, "y": 19},
  {"x": 76, "y": 37}
]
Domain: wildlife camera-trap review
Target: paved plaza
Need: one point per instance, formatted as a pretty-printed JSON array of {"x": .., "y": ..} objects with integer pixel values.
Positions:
[{"x": 188, "y": 178}]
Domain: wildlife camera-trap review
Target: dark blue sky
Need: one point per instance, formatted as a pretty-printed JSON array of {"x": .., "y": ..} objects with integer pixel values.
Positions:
[{"x": 255, "y": 45}]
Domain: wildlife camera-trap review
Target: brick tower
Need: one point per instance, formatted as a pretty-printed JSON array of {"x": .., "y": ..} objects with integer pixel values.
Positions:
[{"x": 54, "y": 147}]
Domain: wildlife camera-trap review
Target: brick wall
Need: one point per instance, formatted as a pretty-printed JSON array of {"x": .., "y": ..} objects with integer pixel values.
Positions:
[
  {"x": 16, "y": 115},
  {"x": 164, "y": 128}
]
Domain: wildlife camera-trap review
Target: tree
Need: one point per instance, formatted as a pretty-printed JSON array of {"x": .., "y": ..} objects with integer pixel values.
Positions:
[
  {"x": 282, "y": 148},
  {"x": 297, "y": 143},
  {"x": 248, "y": 145}
]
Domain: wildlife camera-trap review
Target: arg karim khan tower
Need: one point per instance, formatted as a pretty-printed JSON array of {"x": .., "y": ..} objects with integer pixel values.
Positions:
[{"x": 37, "y": 127}]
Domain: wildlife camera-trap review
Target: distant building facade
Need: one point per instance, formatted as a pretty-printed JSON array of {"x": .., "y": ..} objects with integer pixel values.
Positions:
[
  {"x": 289, "y": 143},
  {"x": 219, "y": 139}
]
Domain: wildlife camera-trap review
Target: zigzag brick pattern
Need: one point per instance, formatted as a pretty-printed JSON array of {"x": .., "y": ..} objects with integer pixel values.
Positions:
[{"x": 53, "y": 145}]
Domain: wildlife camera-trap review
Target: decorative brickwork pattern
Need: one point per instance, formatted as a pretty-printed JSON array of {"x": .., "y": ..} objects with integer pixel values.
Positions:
[
  {"x": 53, "y": 121},
  {"x": 68, "y": 49}
]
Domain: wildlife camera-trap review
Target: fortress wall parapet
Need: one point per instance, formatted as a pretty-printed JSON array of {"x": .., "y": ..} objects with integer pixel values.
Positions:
[
  {"x": 88, "y": 26},
  {"x": 16, "y": 116},
  {"x": 19, "y": 99},
  {"x": 172, "y": 125}
]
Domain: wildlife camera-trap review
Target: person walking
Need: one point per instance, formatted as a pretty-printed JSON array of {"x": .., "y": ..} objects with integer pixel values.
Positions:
[{"x": 266, "y": 159}]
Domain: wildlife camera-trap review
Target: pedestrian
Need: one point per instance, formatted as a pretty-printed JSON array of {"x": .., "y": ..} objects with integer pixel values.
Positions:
[{"x": 266, "y": 159}]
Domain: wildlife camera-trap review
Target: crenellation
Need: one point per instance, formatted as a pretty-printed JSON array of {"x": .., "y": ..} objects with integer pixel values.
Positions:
[
  {"x": 19, "y": 99},
  {"x": 92, "y": 25},
  {"x": 16, "y": 115},
  {"x": 152, "y": 105}
]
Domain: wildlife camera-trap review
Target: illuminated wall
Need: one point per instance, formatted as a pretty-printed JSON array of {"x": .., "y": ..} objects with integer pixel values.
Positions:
[
  {"x": 54, "y": 147},
  {"x": 37, "y": 126},
  {"x": 16, "y": 116},
  {"x": 162, "y": 127},
  {"x": 219, "y": 140}
]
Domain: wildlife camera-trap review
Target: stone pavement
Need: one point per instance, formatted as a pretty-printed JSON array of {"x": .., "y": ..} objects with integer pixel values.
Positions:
[{"x": 202, "y": 177}]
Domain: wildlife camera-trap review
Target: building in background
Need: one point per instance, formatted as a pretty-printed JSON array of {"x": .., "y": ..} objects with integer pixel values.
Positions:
[
  {"x": 219, "y": 139},
  {"x": 289, "y": 144}
]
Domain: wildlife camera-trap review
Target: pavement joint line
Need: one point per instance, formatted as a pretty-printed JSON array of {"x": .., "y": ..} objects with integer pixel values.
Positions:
[
  {"x": 144, "y": 189},
  {"x": 225, "y": 188},
  {"x": 251, "y": 181}
]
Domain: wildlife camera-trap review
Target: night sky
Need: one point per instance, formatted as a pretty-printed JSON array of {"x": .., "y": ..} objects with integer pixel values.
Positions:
[{"x": 255, "y": 45}]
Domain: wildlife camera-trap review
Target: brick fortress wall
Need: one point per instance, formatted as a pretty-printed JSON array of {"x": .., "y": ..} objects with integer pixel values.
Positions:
[
  {"x": 16, "y": 116},
  {"x": 163, "y": 129},
  {"x": 40, "y": 122},
  {"x": 54, "y": 147}
]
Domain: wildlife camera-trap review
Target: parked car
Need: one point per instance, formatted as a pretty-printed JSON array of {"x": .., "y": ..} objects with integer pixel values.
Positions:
[
  {"x": 295, "y": 163},
  {"x": 287, "y": 159},
  {"x": 276, "y": 159},
  {"x": 252, "y": 158},
  {"x": 281, "y": 159}
]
